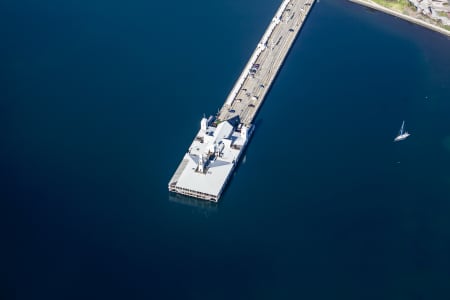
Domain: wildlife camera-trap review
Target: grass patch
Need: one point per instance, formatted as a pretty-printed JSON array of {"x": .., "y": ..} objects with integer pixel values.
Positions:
[
  {"x": 442, "y": 13},
  {"x": 398, "y": 5}
]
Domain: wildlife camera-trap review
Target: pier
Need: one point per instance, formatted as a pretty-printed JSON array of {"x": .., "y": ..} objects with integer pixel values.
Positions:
[
  {"x": 248, "y": 93},
  {"x": 215, "y": 151}
]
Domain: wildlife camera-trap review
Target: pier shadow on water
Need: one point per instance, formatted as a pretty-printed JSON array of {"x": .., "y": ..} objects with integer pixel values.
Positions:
[{"x": 202, "y": 206}]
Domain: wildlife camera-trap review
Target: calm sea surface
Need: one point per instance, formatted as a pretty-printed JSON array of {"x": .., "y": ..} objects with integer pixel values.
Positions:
[{"x": 100, "y": 99}]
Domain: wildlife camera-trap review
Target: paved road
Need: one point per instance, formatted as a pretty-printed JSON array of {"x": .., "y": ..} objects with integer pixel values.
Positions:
[{"x": 251, "y": 94}]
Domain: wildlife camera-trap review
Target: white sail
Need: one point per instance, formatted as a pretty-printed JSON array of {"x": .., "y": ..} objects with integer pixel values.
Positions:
[{"x": 402, "y": 128}]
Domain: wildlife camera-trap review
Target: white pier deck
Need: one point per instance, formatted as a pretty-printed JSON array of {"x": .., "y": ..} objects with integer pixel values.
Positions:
[
  {"x": 209, "y": 163},
  {"x": 220, "y": 149}
]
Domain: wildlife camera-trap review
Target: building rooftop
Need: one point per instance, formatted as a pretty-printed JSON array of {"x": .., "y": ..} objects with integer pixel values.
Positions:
[{"x": 206, "y": 166}]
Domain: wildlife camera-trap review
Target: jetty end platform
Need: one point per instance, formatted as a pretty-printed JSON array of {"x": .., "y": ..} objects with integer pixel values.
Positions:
[{"x": 215, "y": 151}]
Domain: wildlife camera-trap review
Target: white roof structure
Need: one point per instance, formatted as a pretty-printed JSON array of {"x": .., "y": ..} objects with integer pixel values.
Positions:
[{"x": 219, "y": 148}]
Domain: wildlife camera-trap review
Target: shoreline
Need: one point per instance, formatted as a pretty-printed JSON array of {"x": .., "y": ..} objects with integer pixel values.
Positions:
[{"x": 376, "y": 6}]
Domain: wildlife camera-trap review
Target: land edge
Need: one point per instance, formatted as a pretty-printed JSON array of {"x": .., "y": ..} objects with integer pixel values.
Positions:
[{"x": 389, "y": 11}]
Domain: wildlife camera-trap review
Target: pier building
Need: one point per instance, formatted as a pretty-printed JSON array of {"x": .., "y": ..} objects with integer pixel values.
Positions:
[{"x": 215, "y": 151}]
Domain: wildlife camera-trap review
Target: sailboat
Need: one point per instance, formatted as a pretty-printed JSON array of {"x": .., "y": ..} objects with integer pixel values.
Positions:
[{"x": 402, "y": 134}]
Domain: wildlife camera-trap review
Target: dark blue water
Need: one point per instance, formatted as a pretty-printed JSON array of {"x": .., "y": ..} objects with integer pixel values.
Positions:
[{"x": 100, "y": 99}]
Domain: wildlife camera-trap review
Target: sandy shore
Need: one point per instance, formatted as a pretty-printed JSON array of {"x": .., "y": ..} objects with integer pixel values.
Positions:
[{"x": 376, "y": 6}]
